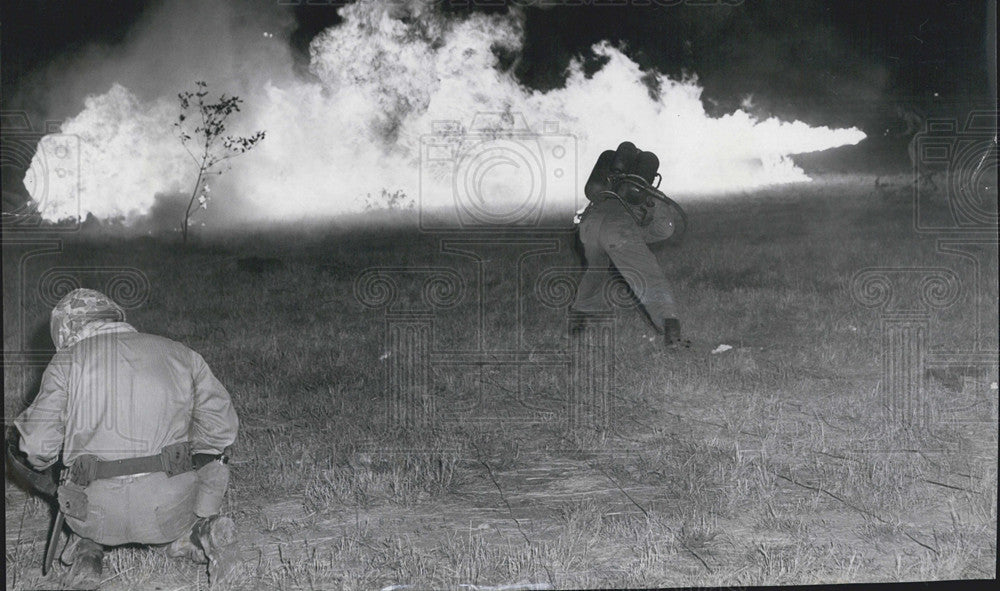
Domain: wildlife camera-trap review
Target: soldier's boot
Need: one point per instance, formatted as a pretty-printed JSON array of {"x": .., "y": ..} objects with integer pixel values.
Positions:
[
  {"x": 69, "y": 550},
  {"x": 86, "y": 558},
  {"x": 672, "y": 334},
  {"x": 187, "y": 546},
  {"x": 217, "y": 537}
]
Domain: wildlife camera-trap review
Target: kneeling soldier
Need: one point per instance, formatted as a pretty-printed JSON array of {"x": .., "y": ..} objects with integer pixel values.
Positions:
[{"x": 142, "y": 425}]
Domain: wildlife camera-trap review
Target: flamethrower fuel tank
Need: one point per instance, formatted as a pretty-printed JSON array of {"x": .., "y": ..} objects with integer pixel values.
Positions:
[
  {"x": 598, "y": 181},
  {"x": 627, "y": 159}
]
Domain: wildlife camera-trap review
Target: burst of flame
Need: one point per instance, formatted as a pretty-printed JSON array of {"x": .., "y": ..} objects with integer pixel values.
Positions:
[{"x": 383, "y": 83}]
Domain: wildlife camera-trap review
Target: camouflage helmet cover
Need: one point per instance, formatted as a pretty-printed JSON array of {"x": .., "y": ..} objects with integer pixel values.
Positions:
[{"x": 79, "y": 313}]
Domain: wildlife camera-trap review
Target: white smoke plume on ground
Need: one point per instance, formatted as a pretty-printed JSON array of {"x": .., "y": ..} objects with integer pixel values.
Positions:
[{"x": 382, "y": 80}]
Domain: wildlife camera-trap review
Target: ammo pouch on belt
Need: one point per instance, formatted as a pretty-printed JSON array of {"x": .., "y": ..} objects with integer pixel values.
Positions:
[
  {"x": 173, "y": 459},
  {"x": 72, "y": 500},
  {"x": 176, "y": 458}
]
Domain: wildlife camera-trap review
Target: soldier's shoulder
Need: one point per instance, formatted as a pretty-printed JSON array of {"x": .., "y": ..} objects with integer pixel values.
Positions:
[{"x": 160, "y": 341}]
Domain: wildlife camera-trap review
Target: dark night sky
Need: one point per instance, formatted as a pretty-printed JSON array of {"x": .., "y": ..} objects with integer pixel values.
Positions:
[{"x": 796, "y": 57}]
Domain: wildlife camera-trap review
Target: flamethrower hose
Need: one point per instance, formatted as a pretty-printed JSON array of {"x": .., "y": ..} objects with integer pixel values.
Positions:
[
  {"x": 640, "y": 183},
  {"x": 628, "y": 208}
]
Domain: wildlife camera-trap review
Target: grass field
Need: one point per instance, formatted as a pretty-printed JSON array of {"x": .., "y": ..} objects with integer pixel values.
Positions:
[{"x": 776, "y": 462}]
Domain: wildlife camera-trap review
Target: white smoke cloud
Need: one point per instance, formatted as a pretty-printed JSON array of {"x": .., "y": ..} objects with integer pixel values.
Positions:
[{"x": 382, "y": 79}]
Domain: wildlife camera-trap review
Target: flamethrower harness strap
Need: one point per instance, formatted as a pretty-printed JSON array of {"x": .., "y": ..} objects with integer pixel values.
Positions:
[
  {"x": 628, "y": 208},
  {"x": 173, "y": 459},
  {"x": 639, "y": 183}
]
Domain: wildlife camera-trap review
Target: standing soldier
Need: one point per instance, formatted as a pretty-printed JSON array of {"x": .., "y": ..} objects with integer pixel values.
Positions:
[
  {"x": 141, "y": 425},
  {"x": 622, "y": 217},
  {"x": 913, "y": 117}
]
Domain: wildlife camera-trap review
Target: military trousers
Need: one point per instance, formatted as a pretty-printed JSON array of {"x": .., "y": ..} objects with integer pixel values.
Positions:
[
  {"x": 610, "y": 235},
  {"x": 150, "y": 508}
]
